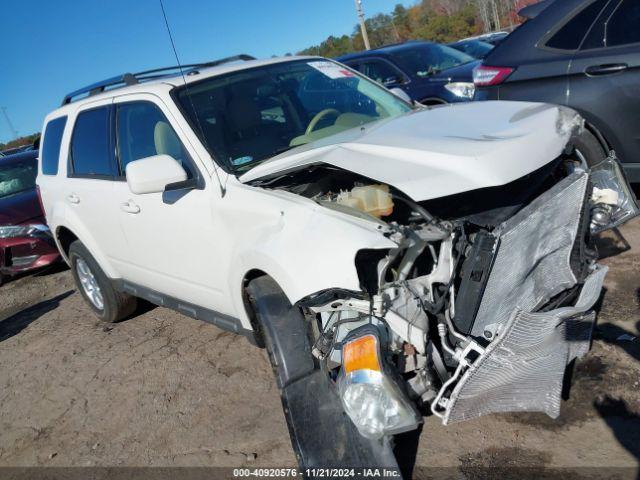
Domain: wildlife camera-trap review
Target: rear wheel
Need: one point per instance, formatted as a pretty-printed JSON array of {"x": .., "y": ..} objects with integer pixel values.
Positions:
[{"x": 97, "y": 289}]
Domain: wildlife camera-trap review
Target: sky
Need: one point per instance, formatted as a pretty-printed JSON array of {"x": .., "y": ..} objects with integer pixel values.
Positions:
[{"x": 51, "y": 47}]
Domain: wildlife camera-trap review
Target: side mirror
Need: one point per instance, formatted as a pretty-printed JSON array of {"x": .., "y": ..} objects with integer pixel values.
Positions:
[
  {"x": 398, "y": 92},
  {"x": 153, "y": 174}
]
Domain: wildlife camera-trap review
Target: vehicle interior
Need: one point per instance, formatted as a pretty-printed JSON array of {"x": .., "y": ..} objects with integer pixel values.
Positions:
[{"x": 255, "y": 114}]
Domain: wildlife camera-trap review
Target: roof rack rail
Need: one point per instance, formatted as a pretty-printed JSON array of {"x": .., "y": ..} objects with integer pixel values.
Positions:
[{"x": 135, "y": 78}]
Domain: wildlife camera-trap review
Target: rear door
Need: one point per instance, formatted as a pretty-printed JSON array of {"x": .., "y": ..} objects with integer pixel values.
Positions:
[
  {"x": 541, "y": 73},
  {"x": 604, "y": 78},
  {"x": 91, "y": 171}
]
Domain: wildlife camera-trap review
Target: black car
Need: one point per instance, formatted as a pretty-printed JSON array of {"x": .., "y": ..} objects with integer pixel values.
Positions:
[
  {"x": 429, "y": 73},
  {"x": 581, "y": 53},
  {"x": 475, "y": 48}
]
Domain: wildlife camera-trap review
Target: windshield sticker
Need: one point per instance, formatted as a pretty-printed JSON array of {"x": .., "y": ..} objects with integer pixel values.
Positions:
[
  {"x": 331, "y": 70},
  {"x": 241, "y": 160}
]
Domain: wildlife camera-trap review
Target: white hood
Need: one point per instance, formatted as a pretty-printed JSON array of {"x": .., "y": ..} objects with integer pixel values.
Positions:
[{"x": 442, "y": 151}]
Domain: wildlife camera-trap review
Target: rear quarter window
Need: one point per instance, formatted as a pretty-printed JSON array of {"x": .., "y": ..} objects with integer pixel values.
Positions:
[
  {"x": 50, "y": 151},
  {"x": 571, "y": 34},
  {"x": 91, "y": 154}
]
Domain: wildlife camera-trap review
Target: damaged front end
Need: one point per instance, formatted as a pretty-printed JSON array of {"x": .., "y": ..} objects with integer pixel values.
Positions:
[{"x": 487, "y": 297}]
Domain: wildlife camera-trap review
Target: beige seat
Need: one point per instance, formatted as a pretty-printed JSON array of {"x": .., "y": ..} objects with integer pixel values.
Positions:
[{"x": 166, "y": 141}]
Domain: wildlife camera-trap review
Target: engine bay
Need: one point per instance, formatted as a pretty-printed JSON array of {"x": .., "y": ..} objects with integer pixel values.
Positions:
[{"x": 455, "y": 311}]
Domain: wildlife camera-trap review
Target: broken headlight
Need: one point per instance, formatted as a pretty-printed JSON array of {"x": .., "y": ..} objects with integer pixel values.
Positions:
[
  {"x": 370, "y": 397},
  {"x": 612, "y": 202}
]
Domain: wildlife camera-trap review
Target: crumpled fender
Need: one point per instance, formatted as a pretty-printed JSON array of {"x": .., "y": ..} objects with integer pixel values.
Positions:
[{"x": 304, "y": 247}]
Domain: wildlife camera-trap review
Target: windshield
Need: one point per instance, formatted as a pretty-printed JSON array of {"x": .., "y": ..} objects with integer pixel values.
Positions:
[
  {"x": 17, "y": 177},
  {"x": 246, "y": 117},
  {"x": 427, "y": 59}
]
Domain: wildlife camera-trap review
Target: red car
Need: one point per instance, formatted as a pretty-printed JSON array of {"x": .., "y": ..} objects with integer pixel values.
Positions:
[{"x": 25, "y": 240}]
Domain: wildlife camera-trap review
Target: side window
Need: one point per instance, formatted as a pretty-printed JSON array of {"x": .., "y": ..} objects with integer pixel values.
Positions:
[
  {"x": 90, "y": 153},
  {"x": 381, "y": 72},
  {"x": 50, "y": 152},
  {"x": 143, "y": 131},
  {"x": 623, "y": 26},
  {"x": 571, "y": 34}
]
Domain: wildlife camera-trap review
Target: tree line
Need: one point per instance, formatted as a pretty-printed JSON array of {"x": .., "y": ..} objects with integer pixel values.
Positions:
[
  {"x": 439, "y": 21},
  {"x": 19, "y": 142}
]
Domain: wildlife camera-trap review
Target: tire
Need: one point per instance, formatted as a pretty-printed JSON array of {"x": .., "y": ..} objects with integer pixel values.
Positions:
[
  {"x": 588, "y": 148},
  {"x": 322, "y": 435},
  {"x": 115, "y": 305}
]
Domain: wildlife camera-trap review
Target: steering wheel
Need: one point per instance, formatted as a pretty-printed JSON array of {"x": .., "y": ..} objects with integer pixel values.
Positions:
[{"x": 319, "y": 116}]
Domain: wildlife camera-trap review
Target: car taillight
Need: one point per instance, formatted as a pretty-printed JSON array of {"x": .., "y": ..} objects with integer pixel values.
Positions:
[
  {"x": 486, "y": 76},
  {"x": 44, "y": 215}
]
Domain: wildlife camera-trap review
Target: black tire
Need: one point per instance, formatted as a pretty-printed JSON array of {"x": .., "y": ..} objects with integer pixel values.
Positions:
[
  {"x": 588, "y": 147},
  {"x": 322, "y": 435},
  {"x": 116, "y": 305}
]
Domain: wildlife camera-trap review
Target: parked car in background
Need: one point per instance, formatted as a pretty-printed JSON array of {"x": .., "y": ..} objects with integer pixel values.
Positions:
[
  {"x": 583, "y": 54},
  {"x": 476, "y": 48},
  {"x": 429, "y": 73},
  {"x": 20, "y": 149},
  {"x": 25, "y": 240}
]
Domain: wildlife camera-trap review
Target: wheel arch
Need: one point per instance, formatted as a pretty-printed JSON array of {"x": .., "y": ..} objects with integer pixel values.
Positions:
[{"x": 66, "y": 234}]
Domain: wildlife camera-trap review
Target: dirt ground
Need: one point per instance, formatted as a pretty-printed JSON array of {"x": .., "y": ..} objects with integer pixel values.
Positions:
[{"x": 164, "y": 390}]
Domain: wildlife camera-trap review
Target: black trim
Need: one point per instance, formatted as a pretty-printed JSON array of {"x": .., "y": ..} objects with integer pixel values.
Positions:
[{"x": 220, "y": 320}]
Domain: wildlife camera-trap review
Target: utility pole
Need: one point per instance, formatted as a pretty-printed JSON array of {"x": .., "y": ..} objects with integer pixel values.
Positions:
[
  {"x": 363, "y": 27},
  {"x": 6, "y": 117}
]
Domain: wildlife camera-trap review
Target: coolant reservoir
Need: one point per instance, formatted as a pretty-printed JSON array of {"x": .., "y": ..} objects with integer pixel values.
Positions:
[{"x": 372, "y": 199}]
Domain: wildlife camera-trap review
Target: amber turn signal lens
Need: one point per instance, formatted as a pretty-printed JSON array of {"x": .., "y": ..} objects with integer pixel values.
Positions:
[{"x": 361, "y": 354}]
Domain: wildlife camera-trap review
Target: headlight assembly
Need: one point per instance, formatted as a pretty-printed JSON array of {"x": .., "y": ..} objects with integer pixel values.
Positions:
[
  {"x": 461, "y": 89},
  {"x": 13, "y": 231},
  {"x": 370, "y": 396}
]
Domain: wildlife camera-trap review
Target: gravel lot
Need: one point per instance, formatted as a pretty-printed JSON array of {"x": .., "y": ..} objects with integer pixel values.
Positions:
[{"x": 164, "y": 390}]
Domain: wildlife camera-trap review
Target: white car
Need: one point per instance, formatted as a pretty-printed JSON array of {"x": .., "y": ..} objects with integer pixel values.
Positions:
[{"x": 395, "y": 260}]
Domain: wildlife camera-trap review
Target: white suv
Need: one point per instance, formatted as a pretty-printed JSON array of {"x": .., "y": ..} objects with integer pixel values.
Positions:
[{"x": 395, "y": 260}]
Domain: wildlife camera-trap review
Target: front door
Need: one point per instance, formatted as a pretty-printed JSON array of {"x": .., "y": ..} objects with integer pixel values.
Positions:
[{"x": 170, "y": 235}]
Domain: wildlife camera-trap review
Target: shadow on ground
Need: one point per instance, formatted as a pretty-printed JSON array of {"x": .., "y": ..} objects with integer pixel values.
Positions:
[{"x": 20, "y": 320}]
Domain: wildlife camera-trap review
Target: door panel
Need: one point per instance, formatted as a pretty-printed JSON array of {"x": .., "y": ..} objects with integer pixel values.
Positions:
[
  {"x": 91, "y": 171},
  {"x": 170, "y": 235},
  {"x": 604, "y": 82}
]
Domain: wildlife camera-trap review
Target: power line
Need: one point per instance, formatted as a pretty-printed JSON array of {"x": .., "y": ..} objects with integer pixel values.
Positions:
[{"x": 11, "y": 127}]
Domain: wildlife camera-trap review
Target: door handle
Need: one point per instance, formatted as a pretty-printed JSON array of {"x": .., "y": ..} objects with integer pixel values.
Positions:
[
  {"x": 130, "y": 207},
  {"x": 606, "y": 69},
  {"x": 73, "y": 198}
]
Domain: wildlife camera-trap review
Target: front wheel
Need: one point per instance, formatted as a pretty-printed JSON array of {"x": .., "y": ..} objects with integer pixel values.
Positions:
[
  {"x": 97, "y": 289},
  {"x": 321, "y": 433}
]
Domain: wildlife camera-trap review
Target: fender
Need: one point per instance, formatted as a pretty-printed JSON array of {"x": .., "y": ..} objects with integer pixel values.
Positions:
[
  {"x": 297, "y": 251},
  {"x": 71, "y": 222}
]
